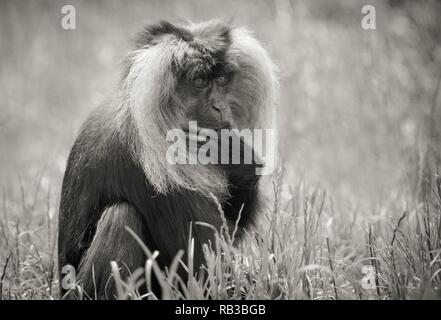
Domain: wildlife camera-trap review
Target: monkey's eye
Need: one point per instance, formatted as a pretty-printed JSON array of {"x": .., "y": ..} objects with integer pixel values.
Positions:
[
  {"x": 200, "y": 82},
  {"x": 222, "y": 80}
]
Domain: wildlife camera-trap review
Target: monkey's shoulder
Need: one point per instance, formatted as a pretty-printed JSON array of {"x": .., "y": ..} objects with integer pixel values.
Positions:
[{"x": 101, "y": 159}]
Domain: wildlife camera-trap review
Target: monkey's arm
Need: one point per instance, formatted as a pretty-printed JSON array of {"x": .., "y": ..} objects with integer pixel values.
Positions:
[
  {"x": 243, "y": 186},
  {"x": 242, "y": 178},
  {"x": 243, "y": 202}
]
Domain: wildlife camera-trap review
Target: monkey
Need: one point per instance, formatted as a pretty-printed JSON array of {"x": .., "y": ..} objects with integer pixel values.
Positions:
[{"x": 117, "y": 177}]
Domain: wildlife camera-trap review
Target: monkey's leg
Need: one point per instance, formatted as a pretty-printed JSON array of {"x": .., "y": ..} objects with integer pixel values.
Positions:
[{"x": 112, "y": 242}]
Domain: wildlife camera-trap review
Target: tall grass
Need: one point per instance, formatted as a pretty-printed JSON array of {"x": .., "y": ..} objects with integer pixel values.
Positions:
[{"x": 302, "y": 248}]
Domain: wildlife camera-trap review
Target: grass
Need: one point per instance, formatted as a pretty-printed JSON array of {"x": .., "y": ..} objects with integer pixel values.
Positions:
[{"x": 302, "y": 248}]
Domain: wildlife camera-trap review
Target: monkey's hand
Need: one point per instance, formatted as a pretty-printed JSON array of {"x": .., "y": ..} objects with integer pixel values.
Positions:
[
  {"x": 242, "y": 163},
  {"x": 234, "y": 155}
]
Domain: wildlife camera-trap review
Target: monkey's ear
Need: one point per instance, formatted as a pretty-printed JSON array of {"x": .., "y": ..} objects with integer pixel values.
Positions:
[{"x": 152, "y": 33}]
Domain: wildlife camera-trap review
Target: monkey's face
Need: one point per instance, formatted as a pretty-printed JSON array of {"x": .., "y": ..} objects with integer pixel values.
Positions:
[
  {"x": 209, "y": 97},
  {"x": 209, "y": 72}
]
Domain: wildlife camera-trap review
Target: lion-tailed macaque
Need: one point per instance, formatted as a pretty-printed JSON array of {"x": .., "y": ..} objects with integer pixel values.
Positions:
[{"x": 118, "y": 176}]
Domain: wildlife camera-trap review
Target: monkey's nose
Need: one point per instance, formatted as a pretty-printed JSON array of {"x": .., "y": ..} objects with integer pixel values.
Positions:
[{"x": 218, "y": 109}]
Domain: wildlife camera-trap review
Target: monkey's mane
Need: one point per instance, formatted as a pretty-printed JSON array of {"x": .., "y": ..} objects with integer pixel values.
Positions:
[{"x": 149, "y": 102}]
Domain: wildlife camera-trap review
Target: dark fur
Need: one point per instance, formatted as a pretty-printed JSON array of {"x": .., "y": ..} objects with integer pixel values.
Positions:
[{"x": 105, "y": 189}]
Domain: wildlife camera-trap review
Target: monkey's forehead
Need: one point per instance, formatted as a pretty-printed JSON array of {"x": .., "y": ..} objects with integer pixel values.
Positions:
[
  {"x": 211, "y": 36},
  {"x": 198, "y": 49}
]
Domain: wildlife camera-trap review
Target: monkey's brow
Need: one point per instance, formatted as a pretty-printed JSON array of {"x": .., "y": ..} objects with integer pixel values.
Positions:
[
  {"x": 217, "y": 70},
  {"x": 224, "y": 67}
]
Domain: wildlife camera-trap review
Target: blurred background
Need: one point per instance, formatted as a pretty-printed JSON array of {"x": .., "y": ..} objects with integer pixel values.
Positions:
[{"x": 359, "y": 111}]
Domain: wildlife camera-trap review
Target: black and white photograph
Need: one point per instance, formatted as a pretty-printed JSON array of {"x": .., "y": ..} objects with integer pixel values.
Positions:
[{"x": 220, "y": 151}]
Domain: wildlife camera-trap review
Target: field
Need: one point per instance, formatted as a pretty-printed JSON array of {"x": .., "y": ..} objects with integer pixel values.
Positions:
[{"x": 353, "y": 210}]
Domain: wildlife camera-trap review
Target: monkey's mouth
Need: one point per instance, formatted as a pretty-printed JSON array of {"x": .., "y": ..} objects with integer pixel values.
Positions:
[{"x": 218, "y": 125}]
